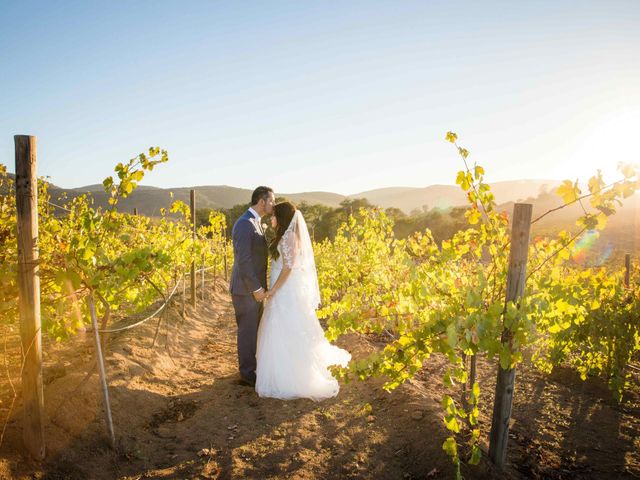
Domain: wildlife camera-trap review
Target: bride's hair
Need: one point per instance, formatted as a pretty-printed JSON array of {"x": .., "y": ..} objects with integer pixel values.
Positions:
[{"x": 283, "y": 212}]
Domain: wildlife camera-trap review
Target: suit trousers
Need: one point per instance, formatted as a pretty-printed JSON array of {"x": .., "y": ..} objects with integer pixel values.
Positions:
[{"x": 248, "y": 313}]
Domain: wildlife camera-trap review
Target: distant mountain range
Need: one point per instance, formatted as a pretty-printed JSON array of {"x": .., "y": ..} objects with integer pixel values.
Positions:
[{"x": 149, "y": 200}]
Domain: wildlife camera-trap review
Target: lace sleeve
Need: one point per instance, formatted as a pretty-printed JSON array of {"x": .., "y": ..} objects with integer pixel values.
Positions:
[{"x": 289, "y": 249}]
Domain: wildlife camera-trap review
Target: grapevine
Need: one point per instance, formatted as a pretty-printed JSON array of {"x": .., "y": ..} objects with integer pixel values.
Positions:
[{"x": 450, "y": 299}]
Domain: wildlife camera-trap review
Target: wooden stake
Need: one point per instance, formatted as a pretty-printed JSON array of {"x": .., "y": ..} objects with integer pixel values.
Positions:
[
  {"x": 202, "y": 279},
  {"x": 226, "y": 271},
  {"x": 515, "y": 288},
  {"x": 627, "y": 269},
  {"x": 474, "y": 367},
  {"x": 214, "y": 272},
  {"x": 29, "y": 294},
  {"x": 193, "y": 264}
]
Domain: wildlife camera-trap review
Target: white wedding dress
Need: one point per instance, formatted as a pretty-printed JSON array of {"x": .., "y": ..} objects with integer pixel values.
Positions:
[{"x": 292, "y": 352}]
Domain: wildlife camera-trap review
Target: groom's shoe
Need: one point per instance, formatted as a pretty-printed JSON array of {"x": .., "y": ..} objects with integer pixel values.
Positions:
[{"x": 246, "y": 383}]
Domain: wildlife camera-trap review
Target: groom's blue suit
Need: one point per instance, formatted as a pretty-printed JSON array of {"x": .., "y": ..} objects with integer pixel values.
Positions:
[{"x": 249, "y": 274}]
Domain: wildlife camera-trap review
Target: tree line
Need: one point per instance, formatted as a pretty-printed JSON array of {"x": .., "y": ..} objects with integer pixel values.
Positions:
[{"x": 324, "y": 221}]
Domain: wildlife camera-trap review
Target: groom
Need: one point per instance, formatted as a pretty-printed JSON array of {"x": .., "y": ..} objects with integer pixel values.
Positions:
[{"x": 249, "y": 278}]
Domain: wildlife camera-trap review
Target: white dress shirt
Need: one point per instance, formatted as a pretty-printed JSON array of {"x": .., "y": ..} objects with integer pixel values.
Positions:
[{"x": 254, "y": 213}]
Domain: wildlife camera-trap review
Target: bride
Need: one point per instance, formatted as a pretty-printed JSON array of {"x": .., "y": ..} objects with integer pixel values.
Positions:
[{"x": 292, "y": 352}]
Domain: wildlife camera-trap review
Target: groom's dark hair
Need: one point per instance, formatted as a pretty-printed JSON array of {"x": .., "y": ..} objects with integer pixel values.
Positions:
[{"x": 259, "y": 194}]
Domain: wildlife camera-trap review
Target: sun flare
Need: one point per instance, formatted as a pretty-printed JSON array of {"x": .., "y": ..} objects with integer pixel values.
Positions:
[{"x": 609, "y": 142}]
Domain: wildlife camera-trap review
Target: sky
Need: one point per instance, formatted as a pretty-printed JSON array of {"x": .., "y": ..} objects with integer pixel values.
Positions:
[{"x": 341, "y": 96}]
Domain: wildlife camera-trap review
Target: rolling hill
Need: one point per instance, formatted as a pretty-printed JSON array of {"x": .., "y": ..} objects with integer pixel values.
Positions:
[
  {"x": 148, "y": 200},
  {"x": 443, "y": 196}
]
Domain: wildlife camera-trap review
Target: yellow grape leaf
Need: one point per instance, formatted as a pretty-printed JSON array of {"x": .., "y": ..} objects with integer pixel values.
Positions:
[
  {"x": 588, "y": 221},
  {"x": 626, "y": 169},
  {"x": 474, "y": 216},
  {"x": 462, "y": 180},
  {"x": 568, "y": 191},
  {"x": 447, "y": 404},
  {"x": 476, "y": 390},
  {"x": 596, "y": 183},
  {"x": 450, "y": 447},
  {"x": 476, "y": 455},
  {"x": 452, "y": 423}
]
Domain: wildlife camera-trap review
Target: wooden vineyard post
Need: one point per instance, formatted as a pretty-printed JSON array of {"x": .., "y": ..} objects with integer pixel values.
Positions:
[
  {"x": 102, "y": 372},
  {"x": 515, "y": 288},
  {"x": 29, "y": 294},
  {"x": 226, "y": 272},
  {"x": 202, "y": 279},
  {"x": 627, "y": 269},
  {"x": 135, "y": 211},
  {"x": 193, "y": 264},
  {"x": 214, "y": 272}
]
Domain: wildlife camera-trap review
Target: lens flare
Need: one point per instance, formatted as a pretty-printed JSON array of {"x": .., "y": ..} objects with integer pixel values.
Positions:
[
  {"x": 604, "y": 256},
  {"x": 587, "y": 244}
]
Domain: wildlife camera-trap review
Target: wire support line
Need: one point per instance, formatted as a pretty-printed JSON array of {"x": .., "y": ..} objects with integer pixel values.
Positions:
[
  {"x": 163, "y": 306},
  {"x": 58, "y": 206},
  {"x": 206, "y": 269},
  {"x": 140, "y": 322}
]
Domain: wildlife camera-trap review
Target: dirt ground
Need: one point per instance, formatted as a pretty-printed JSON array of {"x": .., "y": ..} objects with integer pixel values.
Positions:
[{"x": 179, "y": 413}]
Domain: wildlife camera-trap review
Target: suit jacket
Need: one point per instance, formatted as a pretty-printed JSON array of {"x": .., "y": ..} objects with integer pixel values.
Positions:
[{"x": 250, "y": 255}]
